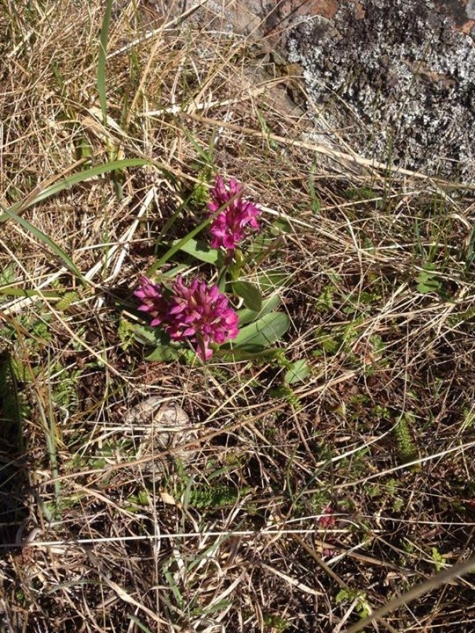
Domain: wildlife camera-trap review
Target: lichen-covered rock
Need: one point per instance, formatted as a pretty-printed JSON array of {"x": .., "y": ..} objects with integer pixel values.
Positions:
[{"x": 396, "y": 79}]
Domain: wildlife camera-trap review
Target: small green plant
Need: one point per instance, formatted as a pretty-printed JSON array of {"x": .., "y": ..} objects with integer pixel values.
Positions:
[
  {"x": 297, "y": 372},
  {"x": 406, "y": 447},
  {"x": 275, "y": 623},
  {"x": 126, "y": 334},
  {"x": 362, "y": 606},
  {"x": 64, "y": 386},
  {"x": 427, "y": 280},
  {"x": 214, "y": 497},
  {"x": 325, "y": 299},
  {"x": 361, "y": 193},
  {"x": 287, "y": 393},
  {"x": 136, "y": 502},
  {"x": 440, "y": 561},
  {"x": 466, "y": 315}
]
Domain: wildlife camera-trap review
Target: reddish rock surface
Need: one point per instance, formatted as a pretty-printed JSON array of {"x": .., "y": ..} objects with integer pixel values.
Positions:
[
  {"x": 268, "y": 19},
  {"x": 272, "y": 19}
]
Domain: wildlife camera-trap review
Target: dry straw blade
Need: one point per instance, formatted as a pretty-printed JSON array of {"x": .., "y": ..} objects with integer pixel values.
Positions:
[{"x": 444, "y": 577}]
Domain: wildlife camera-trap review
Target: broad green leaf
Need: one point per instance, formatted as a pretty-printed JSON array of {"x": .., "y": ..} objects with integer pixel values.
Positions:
[
  {"x": 297, "y": 372},
  {"x": 253, "y": 353},
  {"x": 265, "y": 331},
  {"x": 8, "y": 274},
  {"x": 200, "y": 250},
  {"x": 152, "y": 335},
  {"x": 156, "y": 338},
  {"x": 427, "y": 279},
  {"x": 281, "y": 225},
  {"x": 268, "y": 305},
  {"x": 273, "y": 280},
  {"x": 163, "y": 353},
  {"x": 427, "y": 287},
  {"x": 249, "y": 293}
]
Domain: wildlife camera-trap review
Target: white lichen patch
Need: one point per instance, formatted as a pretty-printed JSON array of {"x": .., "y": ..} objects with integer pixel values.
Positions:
[{"x": 398, "y": 83}]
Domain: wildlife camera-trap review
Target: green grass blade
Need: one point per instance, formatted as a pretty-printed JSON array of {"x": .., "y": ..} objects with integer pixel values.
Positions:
[
  {"x": 101, "y": 64},
  {"x": 178, "y": 246},
  {"x": 82, "y": 176},
  {"x": 42, "y": 237},
  {"x": 50, "y": 431},
  {"x": 141, "y": 626},
  {"x": 8, "y": 291},
  {"x": 75, "y": 179}
]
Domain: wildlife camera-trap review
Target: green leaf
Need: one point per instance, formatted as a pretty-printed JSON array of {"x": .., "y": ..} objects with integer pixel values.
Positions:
[
  {"x": 83, "y": 150},
  {"x": 24, "y": 292},
  {"x": 253, "y": 353},
  {"x": 66, "y": 301},
  {"x": 426, "y": 288},
  {"x": 281, "y": 225},
  {"x": 268, "y": 305},
  {"x": 427, "y": 279},
  {"x": 264, "y": 332},
  {"x": 200, "y": 250},
  {"x": 156, "y": 338},
  {"x": 177, "y": 246},
  {"x": 8, "y": 274},
  {"x": 249, "y": 293},
  {"x": 163, "y": 353},
  {"x": 125, "y": 332},
  {"x": 273, "y": 280},
  {"x": 221, "y": 283},
  {"x": 160, "y": 341},
  {"x": 151, "y": 335},
  {"x": 141, "y": 626},
  {"x": 297, "y": 372}
]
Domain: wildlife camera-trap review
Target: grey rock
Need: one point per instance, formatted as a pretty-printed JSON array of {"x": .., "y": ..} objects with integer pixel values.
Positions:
[{"x": 405, "y": 76}]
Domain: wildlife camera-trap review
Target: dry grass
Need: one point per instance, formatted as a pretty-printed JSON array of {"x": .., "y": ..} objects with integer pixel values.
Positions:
[{"x": 381, "y": 303}]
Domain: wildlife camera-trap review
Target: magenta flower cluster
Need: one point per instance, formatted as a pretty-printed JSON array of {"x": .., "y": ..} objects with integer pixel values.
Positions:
[
  {"x": 236, "y": 217},
  {"x": 195, "y": 312},
  {"x": 192, "y": 312}
]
